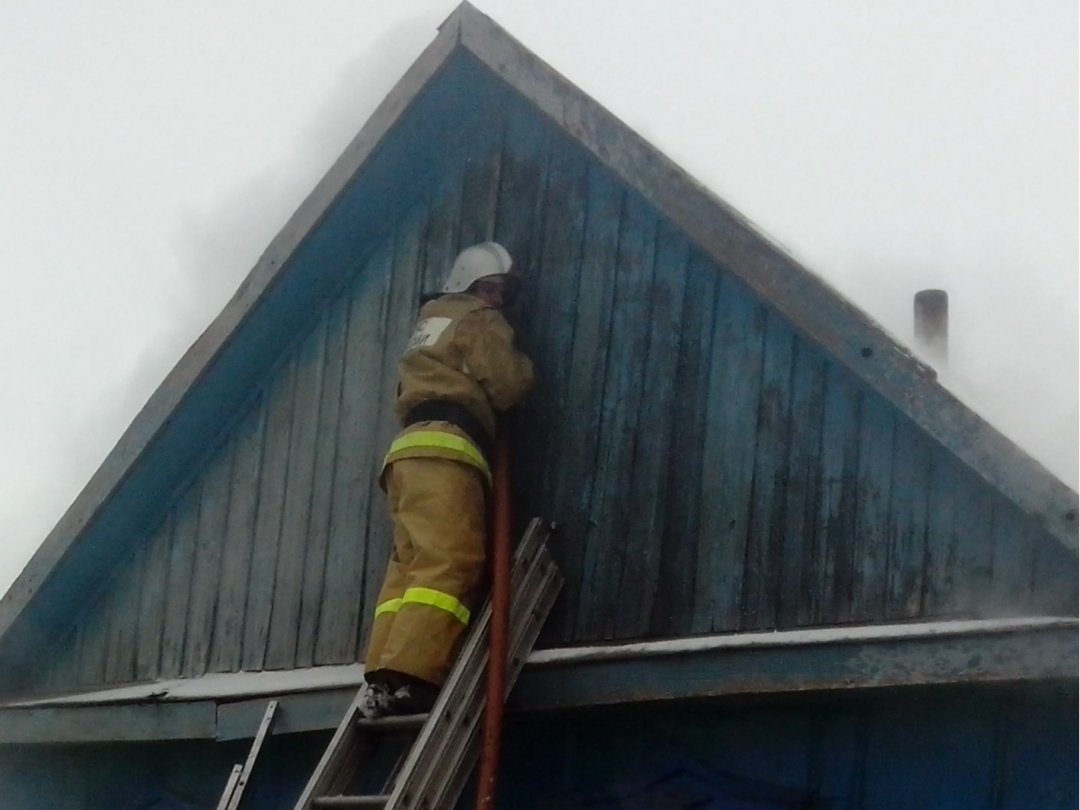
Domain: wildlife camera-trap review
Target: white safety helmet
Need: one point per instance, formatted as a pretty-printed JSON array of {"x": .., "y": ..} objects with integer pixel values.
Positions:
[{"x": 476, "y": 262}]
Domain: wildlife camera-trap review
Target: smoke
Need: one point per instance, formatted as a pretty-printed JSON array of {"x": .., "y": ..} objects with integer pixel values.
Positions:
[
  {"x": 69, "y": 425},
  {"x": 218, "y": 243},
  {"x": 888, "y": 150}
]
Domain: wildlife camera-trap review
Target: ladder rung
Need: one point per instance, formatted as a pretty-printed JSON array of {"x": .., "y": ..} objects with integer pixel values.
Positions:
[
  {"x": 351, "y": 801},
  {"x": 393, "y": 723}
]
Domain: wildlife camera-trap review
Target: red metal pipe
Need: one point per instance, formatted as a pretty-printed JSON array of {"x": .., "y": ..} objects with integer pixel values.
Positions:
[{"x": 500, "y": 619}]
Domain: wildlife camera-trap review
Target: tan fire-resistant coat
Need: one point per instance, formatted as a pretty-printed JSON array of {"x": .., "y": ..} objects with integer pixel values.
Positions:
[{"x": 461, "y": 351}]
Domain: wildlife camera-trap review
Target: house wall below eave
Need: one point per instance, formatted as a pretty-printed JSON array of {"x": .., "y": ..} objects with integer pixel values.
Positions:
[
  {"x": 1001, "y": 746},
  {"x": 957, "y": 747},
  {"x": 176, "y": 775}
]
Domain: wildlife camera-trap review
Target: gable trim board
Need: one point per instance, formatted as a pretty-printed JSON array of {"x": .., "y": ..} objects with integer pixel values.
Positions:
[
  {"x": 231, "y": 706},
  {"x": 162, "y": 443}
]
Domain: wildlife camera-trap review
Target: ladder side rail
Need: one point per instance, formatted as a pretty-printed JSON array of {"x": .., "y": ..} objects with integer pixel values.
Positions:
[
  {"x": 256, "y": 747},
  {"x": 457, "y": 754},
  {"x": 450, "y": 787},
  {"x": 436, "y": 760},
  {"x": 230, "y": 786},
  {"x": 342, "y": 746},
  {"x": 241, "y": 774},
  {"x": 530, "y": 619},
  {"x": 440, "y": 760},
  {"x": 450, "y": 707}
]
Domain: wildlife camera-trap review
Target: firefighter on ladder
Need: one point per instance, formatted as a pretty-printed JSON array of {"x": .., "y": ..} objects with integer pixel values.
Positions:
[{"x": 460, "y": 368}]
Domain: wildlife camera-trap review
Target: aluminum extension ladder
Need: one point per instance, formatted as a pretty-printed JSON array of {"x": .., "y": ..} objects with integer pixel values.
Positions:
[
  {"x": 241, "y": 774},
  {"x": 431, "y": 773}
]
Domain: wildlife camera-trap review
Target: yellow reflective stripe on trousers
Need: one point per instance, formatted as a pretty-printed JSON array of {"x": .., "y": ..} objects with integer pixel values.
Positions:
[
  {"x": 437, "y": 599},
  {"x": 389, "y": 606},
  {"x": 429, "y": 597},
  {"x": 442, "y": 441}
]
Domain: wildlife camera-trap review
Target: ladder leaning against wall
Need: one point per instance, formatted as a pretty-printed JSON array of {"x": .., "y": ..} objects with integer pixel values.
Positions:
[{"x": 432, "y": 771}]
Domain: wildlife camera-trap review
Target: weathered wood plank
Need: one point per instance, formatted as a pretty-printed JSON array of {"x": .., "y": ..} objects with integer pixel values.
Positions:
[
  {"x": 1013, "y": 560},
  {"x": 152, "y": 603},
  {"x": 834, "y": 575},
  {"x": 646, "y": 504},
  {"x": 906, "y": 552},
  {"x": 206, "y": 580},
  {"x": 548, "y": 309},
  {"x": 1054, "y": 580},
  {"x": 178, "y": 595},
  {"x": 356, "y": 462},
  {"x": 93, "y": 641},
  {"x": 332, "y": 353},
  {"x": 62, "y": 674},
  {"x": 872, "y": 514},
  {"x": 296, "y": 508},
  {"x": 480, "y": 188},
  {"x": 399, "y": 318},
  {"x": 442, "y": 244},
  {"x": 124, "y": 618},
  {"x": 941, "y": 540},
  {"x": 759, "y": 600},
  {"x": 115, "y": 619},
  {"x": 972, "y": 564},
  {"x": 273, "y": 476},
  {"x": 297, "y": 713},
  {"x": 868, "y": 659},
  {"x": 556, "y": 275},
  {"x": 728, "y": 467},
  {"x": 239, "y": 540},
  {"x": 673, "y": 606},
  {"x": 588, "y": 363},
  {"x": 85, "y": 724},
  {"x": 801, "y": 553},
  {"x": 814, "y": 662},
  {"x": 520, "y": 201},
  {"x": 522, "y": 224},
  {"x": 623, "y": 393}
]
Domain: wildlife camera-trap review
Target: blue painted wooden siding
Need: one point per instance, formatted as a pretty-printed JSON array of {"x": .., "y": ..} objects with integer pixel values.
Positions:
[{"x": 713, "y": 469}]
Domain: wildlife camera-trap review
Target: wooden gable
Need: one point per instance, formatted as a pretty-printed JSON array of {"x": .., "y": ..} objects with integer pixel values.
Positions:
[{"x": 721, "y": 456}]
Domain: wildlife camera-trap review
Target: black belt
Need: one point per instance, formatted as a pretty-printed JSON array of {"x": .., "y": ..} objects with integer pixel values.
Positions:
[{"x": 440, "y": 410}]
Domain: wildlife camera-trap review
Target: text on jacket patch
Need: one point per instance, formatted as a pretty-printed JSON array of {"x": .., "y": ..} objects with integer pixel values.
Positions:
[{"x": 427, "y": 333}]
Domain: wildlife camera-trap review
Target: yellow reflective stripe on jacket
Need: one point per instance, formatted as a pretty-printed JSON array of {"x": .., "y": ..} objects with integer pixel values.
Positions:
[
  {"x": 438, "y": 440},
  {"x": 429, "y": 597},
  {"x": 389, "y": 606},
  {"x": 438, "y": 599}
]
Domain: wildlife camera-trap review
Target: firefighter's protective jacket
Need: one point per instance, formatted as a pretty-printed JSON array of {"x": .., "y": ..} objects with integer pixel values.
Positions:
[{"x": 461, "y": 351}]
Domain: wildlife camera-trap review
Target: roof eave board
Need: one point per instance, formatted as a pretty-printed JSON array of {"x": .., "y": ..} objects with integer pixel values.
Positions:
[{"x": 786, "y": 662}]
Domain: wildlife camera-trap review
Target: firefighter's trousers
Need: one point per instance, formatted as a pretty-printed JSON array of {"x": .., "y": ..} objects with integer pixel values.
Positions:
[{"x": 436, "y": 569}]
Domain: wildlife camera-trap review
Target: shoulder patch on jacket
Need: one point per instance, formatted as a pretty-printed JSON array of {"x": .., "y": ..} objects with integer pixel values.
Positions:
[{"x": 427, "y": 332}]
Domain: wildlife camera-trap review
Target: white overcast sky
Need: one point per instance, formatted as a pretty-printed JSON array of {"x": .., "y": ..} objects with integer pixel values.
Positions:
[{"x": 150, "y": 150}]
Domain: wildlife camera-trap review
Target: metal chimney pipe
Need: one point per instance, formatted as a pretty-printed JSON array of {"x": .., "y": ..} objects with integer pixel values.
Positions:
[{"x": 932, "y": 323}]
